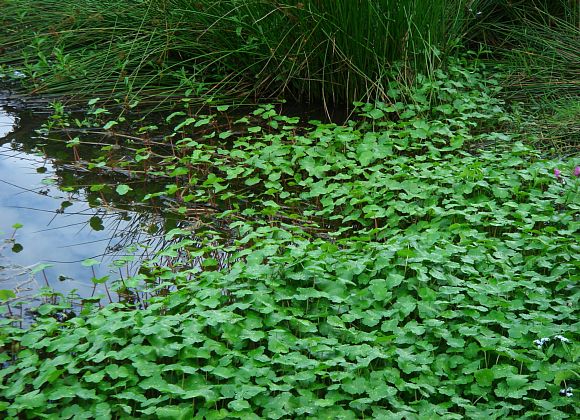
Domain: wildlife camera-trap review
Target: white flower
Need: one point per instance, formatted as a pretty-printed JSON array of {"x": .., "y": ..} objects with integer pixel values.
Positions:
[
  {"x": 567, "y": 392},
  {"x": 562, "y": 338},
  {"x": 541, "y": 342}
]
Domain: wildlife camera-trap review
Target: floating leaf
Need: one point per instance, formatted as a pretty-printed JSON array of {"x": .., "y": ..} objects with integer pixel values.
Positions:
[
  {"x": 89, "y": 262},
  {"x": 6, "y": 294},
  {"x": 16, "y": 248},
  {"x": 96, "y": 223},
  {"x": 123, "y": 189}
]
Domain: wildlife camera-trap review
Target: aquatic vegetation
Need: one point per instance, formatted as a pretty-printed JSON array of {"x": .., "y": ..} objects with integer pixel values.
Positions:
[
  {"x": 55, "y": 214},
  {"x": 416, "y": 262}
]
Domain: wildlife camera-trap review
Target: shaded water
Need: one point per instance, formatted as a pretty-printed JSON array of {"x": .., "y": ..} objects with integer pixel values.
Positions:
[{"x": 63, "y": 222}]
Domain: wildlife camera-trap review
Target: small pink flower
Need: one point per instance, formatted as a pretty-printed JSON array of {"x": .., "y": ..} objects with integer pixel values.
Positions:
[
  {"x": 577, "y": 171},
  {"x": 557, "y": 173}
]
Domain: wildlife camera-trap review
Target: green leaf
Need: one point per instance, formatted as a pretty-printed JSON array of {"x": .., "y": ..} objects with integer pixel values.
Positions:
[
  {"x": 96, "y": 377},
  {"x": 239, "y": 405},
  {"x": 484, "y": 377},
  {"x": 379, "y": 289},
  {"x": 110, "y": 125},
  {"x": 31, "y": 400},
  {"x": 376, "y": 114},
  {"x": 185, "y": 123},
  {"x": 97, "y": 187},
  {"x": 171, "y": 116},
  {"x": 123, "y": 189},
  {"x": 202, "y": 122},
  {"x": 89, "y": 262},
  {"x": 181, "y": 412},
  {"x": 6, "y": 294},
  {"x": 99, "y": 280},
  {"x": 456, "y": 142},
  {"x": 393, "y": 280},
  {"x": 517, "y": 381},
  {"x": 37, "y": 268}
]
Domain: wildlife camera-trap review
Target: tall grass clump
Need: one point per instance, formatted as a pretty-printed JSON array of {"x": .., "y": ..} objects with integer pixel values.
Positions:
[
  {"x": 317, "y": 50},
  {"x": 537, "y": 45},
  {"x": 537, "y": 40}
]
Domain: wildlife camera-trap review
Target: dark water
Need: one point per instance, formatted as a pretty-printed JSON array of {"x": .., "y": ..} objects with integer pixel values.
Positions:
[{"x": 63, "y": 222}]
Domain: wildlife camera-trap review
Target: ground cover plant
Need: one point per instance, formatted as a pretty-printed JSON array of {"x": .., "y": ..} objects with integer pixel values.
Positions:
[{"x": 417, "y": 262}]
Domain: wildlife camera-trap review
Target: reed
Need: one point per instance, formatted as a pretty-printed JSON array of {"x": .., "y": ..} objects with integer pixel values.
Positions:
[
  {"x": 536, "y": 41},
  {"x": 313, "y": 50}
]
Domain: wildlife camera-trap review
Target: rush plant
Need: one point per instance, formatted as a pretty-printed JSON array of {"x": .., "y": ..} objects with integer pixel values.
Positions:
[{"x": 317, "y": 50}]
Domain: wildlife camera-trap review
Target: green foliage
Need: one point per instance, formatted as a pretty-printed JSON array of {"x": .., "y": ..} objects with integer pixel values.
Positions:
[
  {"x": 537, "y": 44},
  {"x": 122, "y": 189},
  {"x": 6, "y": 294},
  {"x": 537, "y": 41},
  {"x": 313, "y": 49},
  {"x": 554, "y": 123},
  {"x": 388, "y": 268},
  {"x": 317, "y": 50}
]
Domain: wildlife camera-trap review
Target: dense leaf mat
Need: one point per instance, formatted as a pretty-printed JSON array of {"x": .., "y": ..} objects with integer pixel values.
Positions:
[{"x": 413, "y": 264}]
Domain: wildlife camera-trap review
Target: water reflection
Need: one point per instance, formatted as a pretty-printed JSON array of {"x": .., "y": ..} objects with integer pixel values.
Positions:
[
  {"x": 61, "y": 225},
  {"x": 7, "y": 122}
]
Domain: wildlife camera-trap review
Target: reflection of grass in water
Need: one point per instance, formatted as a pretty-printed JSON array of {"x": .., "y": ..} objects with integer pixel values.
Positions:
[
  {"x": 19, "y": 280},
  {"x": 135, "y": 229},
  {"x": 133, "y": 239}
]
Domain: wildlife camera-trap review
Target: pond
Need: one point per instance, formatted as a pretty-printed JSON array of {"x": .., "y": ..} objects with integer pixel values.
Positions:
[{"x": 54, "y": 231}]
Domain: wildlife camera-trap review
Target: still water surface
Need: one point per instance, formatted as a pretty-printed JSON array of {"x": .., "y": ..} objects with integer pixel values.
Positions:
[{"x": 61, "y": 227}]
